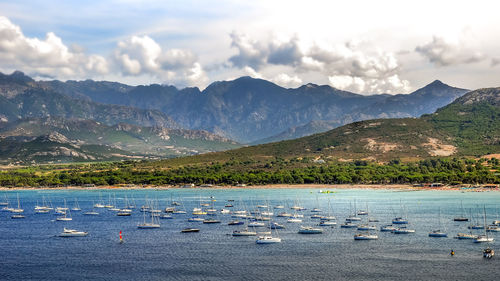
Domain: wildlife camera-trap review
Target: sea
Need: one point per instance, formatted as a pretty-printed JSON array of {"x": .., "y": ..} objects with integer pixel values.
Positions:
[{"x": 30, "y": 248}]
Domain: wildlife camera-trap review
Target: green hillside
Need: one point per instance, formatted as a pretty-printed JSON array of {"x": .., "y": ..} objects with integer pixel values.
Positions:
[{"x": 470, "y": 126}]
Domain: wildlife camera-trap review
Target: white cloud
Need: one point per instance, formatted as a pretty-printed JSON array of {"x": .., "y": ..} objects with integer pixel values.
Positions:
[
  {"x": 139, "y": 55},
  {"x": 352, "y": 66},
  {"x": 47, "y": 57},
  {"x": 444, "y": 53},
  {"x": 285, "y": 80}
]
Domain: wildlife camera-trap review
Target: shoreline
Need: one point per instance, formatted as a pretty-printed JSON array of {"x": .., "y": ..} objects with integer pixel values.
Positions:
[{"x": 407, "y": 187}]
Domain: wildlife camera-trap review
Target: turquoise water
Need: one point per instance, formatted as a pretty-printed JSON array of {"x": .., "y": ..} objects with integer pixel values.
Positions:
[{"x": 30, "y": 250}]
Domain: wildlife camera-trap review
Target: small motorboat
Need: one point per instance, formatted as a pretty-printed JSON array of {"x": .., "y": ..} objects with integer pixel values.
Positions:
[
  {"x": 365, "y": 236},
  {"x": 72, "y": 233},
  {"x": 268, "y": 240},
  {"x": 437, "y": 233},
  {"x": 348, "y": 224},
  {"x": 256, "y": 224},
  {"x": 327, "y": 223},
  {"x": 293, "y": 220},
  {"x": 211, "y": 221},
  {"x": 17, "y": 216},
  {"x": 493, "y": 228},
  {"x": 399, "y": 220},
  {"x": 364, "y": 227},
  {"x": 276, "y": 225},
  {"x": 460, "y": 219},
  {"x": 187, "y": 230},
  {"x": 124, "y": 213},
  {"x": 196, "y": 219},
  {"x": 403, "y": 230},
  {"x": 488, "y": 253},
  {"x": 465, "y": 236},
  {"x": 235, "y": 222},
  {"x": 387, "y": 228},
  {"x": 166, "y": 217},
  {"x": 244, "y": 232}
]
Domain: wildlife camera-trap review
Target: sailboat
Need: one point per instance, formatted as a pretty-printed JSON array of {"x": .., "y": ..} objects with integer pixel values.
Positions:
[
  {"x": 76, "y": 207},
  {"x": 268, "y": 238},
  {"x": 5, "y": 201},
  {"x": 18, "y": 209},
  {"x": 438, "y": 232},
  {"x": 353, "y": 216},
  {"x": 484, "y": 237},
  {"x": 461, "y": 217},
  {"x": 400, "y": 220},
  {"x": 466, "y": 235},
  {"x": 93, "y": 212},
  {"x": 363, "y": 212},
  {"x": 310, "y": 230},
  {"x": 148, "y": 225},
  {"x": 65, "y": 216}
]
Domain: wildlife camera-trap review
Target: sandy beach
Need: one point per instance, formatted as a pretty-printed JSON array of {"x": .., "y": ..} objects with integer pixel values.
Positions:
[{"x": 271, "y": 186}]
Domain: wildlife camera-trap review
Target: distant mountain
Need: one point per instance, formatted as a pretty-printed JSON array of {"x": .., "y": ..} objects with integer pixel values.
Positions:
[
  {"x": 247, "y": 110},
  {"x": 256, "y": 111},
  {"x": 422, "y": 101},
  {"x": 55, "y": 148},
  {"x": 20, "y": 97},
  {"x": 470, "y": 126},
  {"x": 130, "y": 140}
]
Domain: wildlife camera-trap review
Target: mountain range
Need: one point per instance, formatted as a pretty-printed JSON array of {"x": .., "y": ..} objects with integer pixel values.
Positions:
[
  {"x": 468, "y": 127},
  {"x": 244, "y": 110}
]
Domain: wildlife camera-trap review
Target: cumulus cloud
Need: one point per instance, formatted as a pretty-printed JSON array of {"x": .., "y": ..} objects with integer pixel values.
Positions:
[
  {"x": 445, "y": 53},
  {"x": 250, "y": 52},
  {"x": 48, "y": 57},
  {"x": 286, "y": 80},
  {"x": 139, "y": 55},
  {"x": 347, "y": 66}
]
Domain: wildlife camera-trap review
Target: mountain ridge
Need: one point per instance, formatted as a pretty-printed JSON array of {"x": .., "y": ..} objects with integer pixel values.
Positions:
[{"x": 250, "y": 110}]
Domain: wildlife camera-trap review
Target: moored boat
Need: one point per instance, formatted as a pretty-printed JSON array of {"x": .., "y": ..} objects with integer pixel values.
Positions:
[
  {"x": 365, "y": 236},
  {"x": 72, "y": 233},
  {"x": 310, "y": 230}
]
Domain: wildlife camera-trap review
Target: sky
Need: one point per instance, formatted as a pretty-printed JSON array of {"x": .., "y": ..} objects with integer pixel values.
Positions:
[{"x": 367, "y": 47}]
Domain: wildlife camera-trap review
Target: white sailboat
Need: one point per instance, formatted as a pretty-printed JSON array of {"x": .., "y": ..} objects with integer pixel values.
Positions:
[
  {"x": 437, "y": 232},
  {"x": 92, "y": 212},
  {"x": 484, "y": 237},
  {"x": 76, "y": 207},
  {"x": 18, "y": 209},
  {"x": 310, "y": 230},
  {"x": 269, "y": 238},
  {"x": 65, "y": 217},
  {"x": 149, "y": 225}
]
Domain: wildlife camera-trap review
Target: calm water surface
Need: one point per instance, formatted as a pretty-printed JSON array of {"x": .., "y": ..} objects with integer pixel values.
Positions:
[{"x": 30, "y": 251}]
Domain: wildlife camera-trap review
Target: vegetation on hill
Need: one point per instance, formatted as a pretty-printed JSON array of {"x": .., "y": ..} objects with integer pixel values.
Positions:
[{"x": 277, "y": 171}]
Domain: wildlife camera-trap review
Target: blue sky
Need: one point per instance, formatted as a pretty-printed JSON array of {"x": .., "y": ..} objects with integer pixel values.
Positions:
[{"x": 366, "y": 46}]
